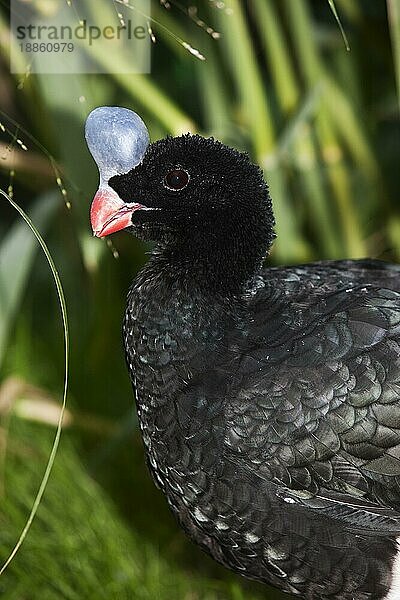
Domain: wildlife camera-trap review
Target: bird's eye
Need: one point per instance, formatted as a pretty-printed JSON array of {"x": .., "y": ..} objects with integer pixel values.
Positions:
[{"x": 176, "y": 179}]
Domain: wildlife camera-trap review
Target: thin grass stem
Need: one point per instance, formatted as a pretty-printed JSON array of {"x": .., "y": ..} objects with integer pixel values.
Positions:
[{"x": 63, "y": 308}]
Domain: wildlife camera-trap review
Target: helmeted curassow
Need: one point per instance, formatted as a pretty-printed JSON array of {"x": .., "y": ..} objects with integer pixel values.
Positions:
[{"x": 268, "y": 398}]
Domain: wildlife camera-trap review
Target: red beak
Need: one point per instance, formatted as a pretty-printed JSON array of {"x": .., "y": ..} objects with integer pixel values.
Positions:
[{"x": 109, "y": 213}]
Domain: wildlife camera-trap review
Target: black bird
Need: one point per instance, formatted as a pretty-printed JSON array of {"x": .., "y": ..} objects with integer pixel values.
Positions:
[{"x": 268, "y": 398}]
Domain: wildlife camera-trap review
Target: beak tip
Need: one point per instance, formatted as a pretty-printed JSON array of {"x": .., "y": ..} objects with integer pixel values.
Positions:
[
  {"x": 109, "y": 214},
  {"x": 98, "y": 233}
]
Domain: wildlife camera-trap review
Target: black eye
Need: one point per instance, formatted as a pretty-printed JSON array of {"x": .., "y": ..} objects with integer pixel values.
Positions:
[{"x": 176, "y": 179}]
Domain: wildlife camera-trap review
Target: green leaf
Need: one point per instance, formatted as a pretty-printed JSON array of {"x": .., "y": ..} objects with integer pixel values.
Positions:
[{"x": 17, "y": 253}]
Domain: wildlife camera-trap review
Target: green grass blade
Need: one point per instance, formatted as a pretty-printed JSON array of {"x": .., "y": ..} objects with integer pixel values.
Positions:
[
  {"x": 343, "y": 114},
  {"x": 236, "y": 42},
  {"x": 257, "y": 116},
  {"x": 338, "y": 21},
  {"x": 275, "y": 44},
  {"x": 297, "y": 145},
  {"x": 316, "y": 196},
  {"x": 17, "y": 253},
  {"x": 63, "y": 308},
  {"x": 306, "y": 111},
  {"x": 214, "y": 96},
  {"x": 295, "y": 138},
  {"x": 339, "y": 177},
  {"x": 393, "y": 7}
]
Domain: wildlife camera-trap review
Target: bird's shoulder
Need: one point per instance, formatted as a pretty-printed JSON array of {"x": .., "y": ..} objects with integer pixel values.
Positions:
[
  {"x": 309, "y": 384},
  {"x": 287, "y": 303}
]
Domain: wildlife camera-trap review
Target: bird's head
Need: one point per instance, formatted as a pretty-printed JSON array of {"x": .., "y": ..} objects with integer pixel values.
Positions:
[{"x": 188, "y": 192}]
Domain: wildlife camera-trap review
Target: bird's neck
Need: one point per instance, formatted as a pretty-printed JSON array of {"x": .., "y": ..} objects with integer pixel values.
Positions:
[
  {"x": 220, "y": 271},
  {"x": 173, "y": 293},
  {"x": 170, "y": 320},
  {"x": 172, "y": 335}
]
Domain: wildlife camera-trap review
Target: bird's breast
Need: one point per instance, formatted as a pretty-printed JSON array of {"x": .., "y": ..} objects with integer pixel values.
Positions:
[{"x": 170, "y": 343}]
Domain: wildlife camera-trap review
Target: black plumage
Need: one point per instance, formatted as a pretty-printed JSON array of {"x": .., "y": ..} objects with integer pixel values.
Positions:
[{"x": 268, "y": 398}]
